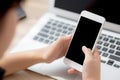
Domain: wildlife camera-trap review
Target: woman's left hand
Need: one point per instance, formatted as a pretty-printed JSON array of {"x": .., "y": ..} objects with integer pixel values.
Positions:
[
  {"x": 57, "y": 49},
  {"x": 21, "y": 60}
]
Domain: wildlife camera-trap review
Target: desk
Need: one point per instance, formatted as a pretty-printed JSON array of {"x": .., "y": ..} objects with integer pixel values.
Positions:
[{"x": 34, "y": 9}]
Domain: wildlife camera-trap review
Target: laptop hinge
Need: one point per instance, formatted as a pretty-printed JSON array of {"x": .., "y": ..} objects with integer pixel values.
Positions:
[{"x": 66, "y": 18}]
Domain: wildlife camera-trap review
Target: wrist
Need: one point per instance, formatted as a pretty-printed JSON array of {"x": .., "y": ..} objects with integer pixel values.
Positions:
[
  {"x": 39, "y": 56},
  {"x": 36, "y": 56}
]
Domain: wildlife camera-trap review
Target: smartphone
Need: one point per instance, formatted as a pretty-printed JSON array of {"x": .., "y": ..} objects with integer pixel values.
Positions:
[{"x": 86, "y": 34}]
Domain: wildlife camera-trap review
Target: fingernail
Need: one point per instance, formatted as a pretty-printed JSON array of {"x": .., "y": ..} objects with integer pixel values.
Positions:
[
  {"x": 69, "y": 36},
  {"x": 84, "y": 47}
]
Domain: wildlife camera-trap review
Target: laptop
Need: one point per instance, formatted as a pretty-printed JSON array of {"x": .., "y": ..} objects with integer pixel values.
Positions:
[{"x": 60, "y": 20}]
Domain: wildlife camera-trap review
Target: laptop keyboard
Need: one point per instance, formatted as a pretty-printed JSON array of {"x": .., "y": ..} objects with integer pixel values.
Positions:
[
  {"x": 108, "y": 46},
  {"x": 53, "y": 30}
]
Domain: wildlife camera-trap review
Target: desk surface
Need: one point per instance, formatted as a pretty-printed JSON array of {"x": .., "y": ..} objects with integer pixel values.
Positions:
[{"x": 34, "y": 9}]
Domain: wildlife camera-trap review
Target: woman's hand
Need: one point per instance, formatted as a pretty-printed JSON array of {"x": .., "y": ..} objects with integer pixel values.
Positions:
[
  {"x": 57, "y": 49},
  {"x": 91, "y": 66},
  {"x": 21, "y": 60}
]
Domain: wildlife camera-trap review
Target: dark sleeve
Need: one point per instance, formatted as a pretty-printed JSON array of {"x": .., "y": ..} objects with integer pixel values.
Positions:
[{"x": 2, "y": 72}]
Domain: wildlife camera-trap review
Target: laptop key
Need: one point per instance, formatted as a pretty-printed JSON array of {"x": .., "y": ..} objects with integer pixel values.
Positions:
[
  {"x": 116, "y": 65},
  {"x": 49, "y": 22},
  {"x": 47, "y": 26},
  {"x": 36, "y": 38},
  {"x": 59, "y": 25},
  {"x": 100, "y": 37},
  {"x": 111, "y": 51},
  {"x": 99, "y": 47},
  {"x": 105, "y": 39},
  {"x": 112, "y": 46},
  {"x": 52, "y": 32},
  {"x": 110, "y": 36},
  {"x": 114, "y": 57},
  {"x": 69, "y": 33},
  {"x": 57, "y": 34},
  {"x": 45, "y": 30},
  {"x": 99, "y": 42},
  {"x": 117, "y": 53},
  {"x": 70, "y": 29},
  {"x": 117, "y": 38},
  {"x": 118, "y": 48},
  {"x": 65, "y": 27},
  {"x": 106, "y": 44},
  {"x": 100, "y": 52},
  {"x": 65, "y": 32},
  {"x": 51, "y": 38},
  {"x": 56, "y": 21},
  {"x": 43, "y": 35},
  {"x": 46, "y": 41},
  {"x": 53, "y": 28},
  {"x": 56, "y": 39},
  {"x": 103, "y": 61},
  {"x": 105, "y": 54},
  {"x": 104, "y": 35},
  {"x": 104, "y": 49},
  {"x": 62, "y": 23},
  {"x": 59, "y": 30},
  {"x": 112, "y": 41},
  {"x": 41, "y": 39},
  {"x": 54, "y": 24},
  {"x": 110, "y": 62},
  {"x": 118, "y": 42}
]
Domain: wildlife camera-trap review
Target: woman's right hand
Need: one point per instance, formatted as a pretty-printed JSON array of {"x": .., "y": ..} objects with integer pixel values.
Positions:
[{"x": 91, "y": 66}]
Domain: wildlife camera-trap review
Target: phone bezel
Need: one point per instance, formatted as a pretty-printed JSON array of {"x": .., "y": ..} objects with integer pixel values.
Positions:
[{"x": 93, "y": 17}]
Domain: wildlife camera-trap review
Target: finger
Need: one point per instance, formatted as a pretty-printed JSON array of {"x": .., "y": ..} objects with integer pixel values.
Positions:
[
  {"x": 86, "y": 51},
  {"x": 57, "y": 45},
  {"x": 72, "y": 71},
  {"x": 60, "y": 41},
  {"x": 61, "y": 44},
  {"x": 69, "y": 37},
  {"x": 64, "y": 39},
  {"x": 95, "y": 50},
  {"x": 66, "y": 43},
  {"x": 96, "y": 54}
]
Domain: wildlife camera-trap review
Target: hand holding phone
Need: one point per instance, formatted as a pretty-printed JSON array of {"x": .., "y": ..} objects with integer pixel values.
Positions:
[{"x": 86, "y": 34}]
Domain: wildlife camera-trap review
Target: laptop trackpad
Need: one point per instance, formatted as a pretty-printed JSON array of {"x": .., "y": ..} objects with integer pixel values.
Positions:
[{"x": 57, "y": 69}]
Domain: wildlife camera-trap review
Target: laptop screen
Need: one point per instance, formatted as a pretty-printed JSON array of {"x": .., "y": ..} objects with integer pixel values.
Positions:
[{"x": 107, "y": 8}]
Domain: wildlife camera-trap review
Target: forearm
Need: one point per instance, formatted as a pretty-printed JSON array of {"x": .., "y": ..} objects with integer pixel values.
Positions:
[
  {"x": 92, "y": 78},
  {"x": 19, "y": 61}
]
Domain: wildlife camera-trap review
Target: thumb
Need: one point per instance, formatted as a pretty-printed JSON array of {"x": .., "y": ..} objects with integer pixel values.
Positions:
[{"x": 86, "y": 51}]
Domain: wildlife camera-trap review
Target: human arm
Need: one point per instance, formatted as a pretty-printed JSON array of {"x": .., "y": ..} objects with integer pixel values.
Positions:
[
  {"x": 19, "y": 61},
  {"x": 91, "y": 66}
]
